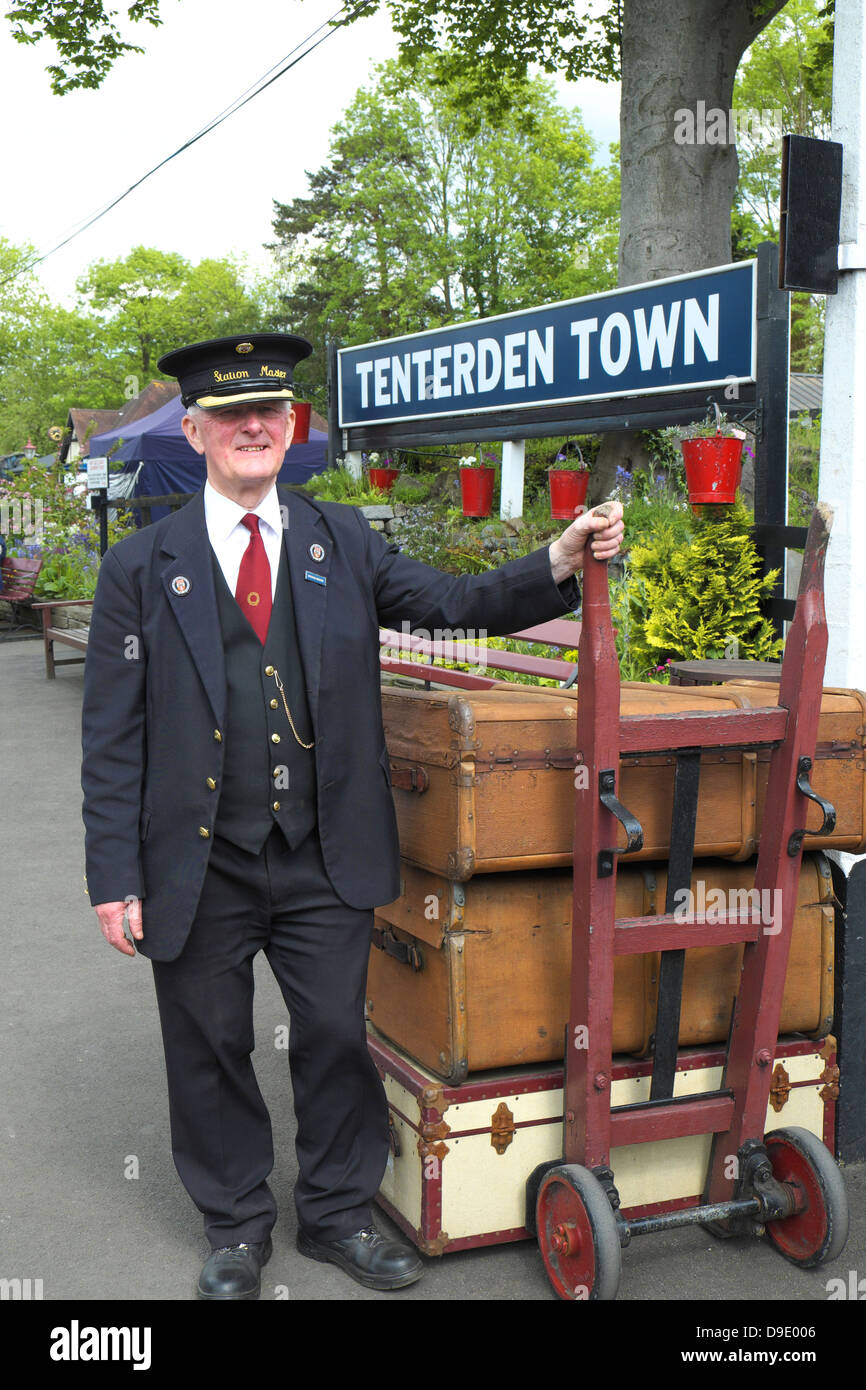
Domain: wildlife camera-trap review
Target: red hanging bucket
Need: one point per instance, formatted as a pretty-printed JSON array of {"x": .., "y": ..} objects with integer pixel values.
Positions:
[
  {"x": 302, "y": 411},
  {"x": 568, "y": 489},
  {"x": 383, "y": 478},
  {"x": 712, "y": 468},
  {"x": 476, "y": 490}
]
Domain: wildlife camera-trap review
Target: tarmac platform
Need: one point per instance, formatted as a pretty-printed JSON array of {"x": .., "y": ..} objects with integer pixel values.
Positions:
[{"x": 90, "y": 1204}]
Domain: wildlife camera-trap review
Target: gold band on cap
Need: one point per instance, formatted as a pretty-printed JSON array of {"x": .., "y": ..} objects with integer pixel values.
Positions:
[{"x": 251, "y": 397}]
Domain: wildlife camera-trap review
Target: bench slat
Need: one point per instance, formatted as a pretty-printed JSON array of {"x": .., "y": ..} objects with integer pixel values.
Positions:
[{"x": 69, "y": 636}]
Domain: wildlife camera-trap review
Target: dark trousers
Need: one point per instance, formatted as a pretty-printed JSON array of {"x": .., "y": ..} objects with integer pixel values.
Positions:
[{"x": 281, "y": 902}]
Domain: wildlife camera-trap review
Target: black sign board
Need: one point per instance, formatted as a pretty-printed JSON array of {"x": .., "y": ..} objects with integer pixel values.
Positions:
[{"x": 810, "y": 207}]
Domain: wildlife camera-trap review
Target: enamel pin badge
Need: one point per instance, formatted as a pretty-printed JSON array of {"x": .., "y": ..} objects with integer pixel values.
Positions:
[
  {"x": 317, "y": 552},
  {"x": 180, "y": 585}
]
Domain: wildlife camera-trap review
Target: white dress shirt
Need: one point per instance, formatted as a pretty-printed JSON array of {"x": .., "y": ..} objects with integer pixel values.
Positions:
[{"x": 230, "y": 538}]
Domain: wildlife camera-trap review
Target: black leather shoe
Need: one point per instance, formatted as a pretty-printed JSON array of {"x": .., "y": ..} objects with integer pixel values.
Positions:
[
  {"x": 234, "y": 1271},
  {"x": 370, "y": 1258}
]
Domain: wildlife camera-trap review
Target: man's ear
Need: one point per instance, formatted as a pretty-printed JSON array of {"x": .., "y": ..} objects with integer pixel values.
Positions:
[
  {"x": 190, "y": 429},
  {"x": 290, "y": 427}
]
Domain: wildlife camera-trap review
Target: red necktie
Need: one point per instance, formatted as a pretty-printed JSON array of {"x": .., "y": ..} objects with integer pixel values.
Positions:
[{"x": 253, "y": 591}]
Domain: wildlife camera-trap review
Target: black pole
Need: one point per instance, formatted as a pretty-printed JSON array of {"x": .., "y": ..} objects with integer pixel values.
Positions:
[
  {"x": 850, "y": 1012},
  {"x": 334, "y": 440},
  {"x": 771, "y": 453},
  {"x": 99, "y": 500}
]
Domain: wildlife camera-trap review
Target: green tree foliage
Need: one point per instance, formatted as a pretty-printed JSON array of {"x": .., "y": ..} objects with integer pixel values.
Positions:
[
  {"x": 65, "y": 363},
  {"x": 488, "y": 46},
  {"x": 421, "y": 218},
  {"x": 700, "y": 599},
  {"x": 154, "y": 300},
  {"x": 784, "y": 85},
  {"x": 22, "y": 303},
  {"x": 105, "y": 348},
  {"x": 87, "y": 39}
]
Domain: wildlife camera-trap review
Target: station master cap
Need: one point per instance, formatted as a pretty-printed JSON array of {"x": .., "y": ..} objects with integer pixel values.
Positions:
[{"x": 232, "y": 371}]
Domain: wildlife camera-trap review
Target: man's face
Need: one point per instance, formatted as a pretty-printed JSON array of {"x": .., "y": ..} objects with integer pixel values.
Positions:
[{"x": 243, "y": 446}]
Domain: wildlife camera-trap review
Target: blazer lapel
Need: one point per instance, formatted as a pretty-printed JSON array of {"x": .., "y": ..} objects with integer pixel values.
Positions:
[
  {"x": 188, "y": 583},
  {"x": 309, "y": 548}
]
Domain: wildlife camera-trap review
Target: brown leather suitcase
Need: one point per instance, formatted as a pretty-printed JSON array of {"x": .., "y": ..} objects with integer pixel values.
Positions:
[
  {"x": 468, "y": 977},
  {"x": 484, "y": 781},
  {"x": 838, "y": 773}
]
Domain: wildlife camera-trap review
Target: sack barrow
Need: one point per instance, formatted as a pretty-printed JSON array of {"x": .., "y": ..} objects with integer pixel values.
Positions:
[{"x": 784, "y": 1183}]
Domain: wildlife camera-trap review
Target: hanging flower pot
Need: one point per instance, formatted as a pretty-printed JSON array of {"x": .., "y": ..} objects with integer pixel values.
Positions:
[
  {"x": 567, "y": 490},
  {"x": 713, "y": 460},
  {"x": 302, "y": 411},
  {"x": 383, "y": 478},
  {"x": 567, "y": 481},
  {"x": 476, "y": 490},
  {"x": 712, "y": 468}
]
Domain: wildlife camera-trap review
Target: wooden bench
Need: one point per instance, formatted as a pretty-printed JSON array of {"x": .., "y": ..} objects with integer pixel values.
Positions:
[
  {"x": 70, "y": 636},
  {"x": 558, "y": 632},
  {"x": 19, "y": 580}
]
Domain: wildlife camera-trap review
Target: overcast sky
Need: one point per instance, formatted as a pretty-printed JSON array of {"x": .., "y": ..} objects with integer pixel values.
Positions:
[{"x": 64, "y": 158}]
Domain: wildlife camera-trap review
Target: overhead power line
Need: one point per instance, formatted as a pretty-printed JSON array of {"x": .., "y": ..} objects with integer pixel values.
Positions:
[{"x": 337, "y": 21}]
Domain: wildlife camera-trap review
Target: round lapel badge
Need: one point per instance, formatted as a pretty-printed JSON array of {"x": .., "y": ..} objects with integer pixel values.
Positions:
[
  {"x": 317, "y": 552},
  {"x": 180, "y": 585}
]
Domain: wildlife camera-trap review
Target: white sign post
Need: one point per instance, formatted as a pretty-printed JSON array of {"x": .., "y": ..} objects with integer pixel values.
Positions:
[
  {"x": 842, "y": 475},
  {"x": 511, "y": 489},
  {"x": 842, "y": 478}
]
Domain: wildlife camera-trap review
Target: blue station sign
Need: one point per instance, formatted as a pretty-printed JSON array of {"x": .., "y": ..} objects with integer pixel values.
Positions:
[{"x": 686, "y": 332}]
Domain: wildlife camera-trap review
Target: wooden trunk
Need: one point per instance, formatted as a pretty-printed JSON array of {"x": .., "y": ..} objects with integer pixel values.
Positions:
[
  {"x": 484, "y": 781},
  {"x": 461, "y": 1155},
  {"x": 465, "y": 977}
]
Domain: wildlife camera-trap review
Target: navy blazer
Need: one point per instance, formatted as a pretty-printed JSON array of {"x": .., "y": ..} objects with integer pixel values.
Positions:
[{"x": 155, "y": 698}]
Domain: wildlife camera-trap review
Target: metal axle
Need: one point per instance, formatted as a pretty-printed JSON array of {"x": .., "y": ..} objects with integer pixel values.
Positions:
[{"x": 694, "y": 1216}]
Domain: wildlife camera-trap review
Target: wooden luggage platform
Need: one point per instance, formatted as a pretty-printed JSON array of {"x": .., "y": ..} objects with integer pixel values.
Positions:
[{"x": 784, "y": 1181}]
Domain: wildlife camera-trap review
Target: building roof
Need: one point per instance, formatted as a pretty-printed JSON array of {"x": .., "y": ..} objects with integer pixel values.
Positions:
[
  {"x": 82, "y": 425},
  {"x": 805, "y": 393},
  {"x": 156, "y": 394}
]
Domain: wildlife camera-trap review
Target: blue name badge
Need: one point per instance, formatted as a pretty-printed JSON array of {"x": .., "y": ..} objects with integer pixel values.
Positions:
[{"x": 316, "y": 578}]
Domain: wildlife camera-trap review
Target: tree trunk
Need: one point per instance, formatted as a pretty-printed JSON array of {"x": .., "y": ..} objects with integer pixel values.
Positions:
[{"x": 679, "y": 61}]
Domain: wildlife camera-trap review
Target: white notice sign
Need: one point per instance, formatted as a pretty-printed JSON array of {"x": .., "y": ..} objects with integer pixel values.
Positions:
[{"x": 97, "y": 474}]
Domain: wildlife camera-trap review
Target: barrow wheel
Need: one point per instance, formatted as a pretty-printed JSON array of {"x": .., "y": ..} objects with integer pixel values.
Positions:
[
  {"x": 578, "y": 1235},
  {"x": 818, "y": 1232}
]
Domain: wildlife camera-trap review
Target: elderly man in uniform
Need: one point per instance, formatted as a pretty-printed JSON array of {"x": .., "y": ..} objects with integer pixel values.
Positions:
[{"x": 237, "y": 799}]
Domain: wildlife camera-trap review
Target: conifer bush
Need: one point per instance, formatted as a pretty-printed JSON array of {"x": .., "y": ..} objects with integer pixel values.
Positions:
[{"x": 700, "y": 599}]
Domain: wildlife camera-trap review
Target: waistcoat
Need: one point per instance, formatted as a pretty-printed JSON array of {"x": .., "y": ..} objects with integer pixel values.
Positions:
[{"x": 268, "y": 778}]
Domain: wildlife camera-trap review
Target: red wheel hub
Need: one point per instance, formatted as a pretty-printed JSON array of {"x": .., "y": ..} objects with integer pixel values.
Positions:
[
  {"x": 801, "y": 1235},
  {"x": 566, "y": 1240}
]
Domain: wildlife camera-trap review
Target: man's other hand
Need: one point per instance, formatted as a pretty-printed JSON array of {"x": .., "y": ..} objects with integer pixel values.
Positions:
[
  {"x": 604, "y": 531},
  {"x": 111, "y": 917}
]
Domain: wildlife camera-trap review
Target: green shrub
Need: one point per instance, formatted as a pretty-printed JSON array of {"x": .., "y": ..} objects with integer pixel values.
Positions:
[
  {"x": 61, "y": 531},
  {"x": 701, "y": 598},
  {"x": 338, "y": 485},
  {"x": 804, "y": 450},
  {"x": 412, "y": 488}
]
